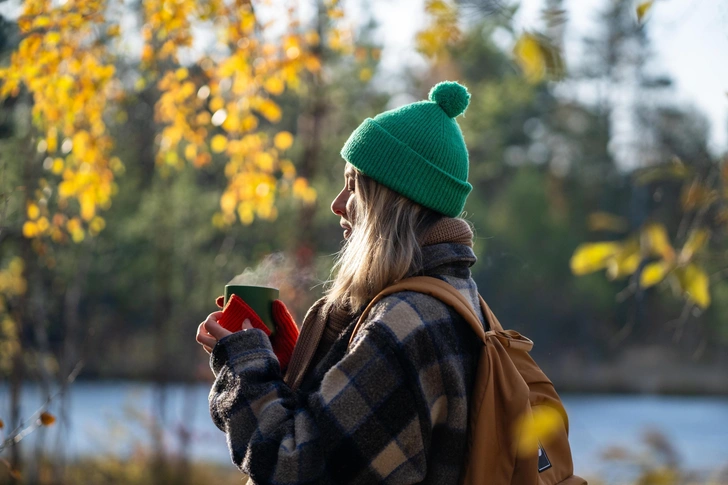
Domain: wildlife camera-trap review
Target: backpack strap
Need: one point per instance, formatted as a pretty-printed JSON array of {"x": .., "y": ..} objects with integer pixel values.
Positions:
[{"x": 444, "y": 292}]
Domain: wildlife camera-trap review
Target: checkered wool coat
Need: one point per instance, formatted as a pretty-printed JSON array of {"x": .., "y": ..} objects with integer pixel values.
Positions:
[{"x": 392, "y": 408}]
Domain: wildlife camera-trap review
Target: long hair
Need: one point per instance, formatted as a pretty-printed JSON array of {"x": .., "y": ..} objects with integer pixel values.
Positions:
[{"x": 384, "y": 245}]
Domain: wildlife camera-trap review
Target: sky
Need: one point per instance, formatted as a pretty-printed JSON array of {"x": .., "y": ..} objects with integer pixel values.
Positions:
[{"x": 689, "y": 39}]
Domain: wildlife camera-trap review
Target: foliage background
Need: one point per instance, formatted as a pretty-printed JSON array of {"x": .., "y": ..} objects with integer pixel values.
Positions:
[{"x": 151, "y": 151}]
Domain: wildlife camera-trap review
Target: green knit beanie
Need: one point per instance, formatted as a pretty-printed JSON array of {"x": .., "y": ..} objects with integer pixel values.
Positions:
[{"x": 418, "y": 150}]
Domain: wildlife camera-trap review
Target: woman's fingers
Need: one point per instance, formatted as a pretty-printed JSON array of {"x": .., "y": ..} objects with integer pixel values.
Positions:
[
  {"x": 247, "y": 325},
  {"x": 204, "y": 338},
  {"x": 214, "y": 328}
]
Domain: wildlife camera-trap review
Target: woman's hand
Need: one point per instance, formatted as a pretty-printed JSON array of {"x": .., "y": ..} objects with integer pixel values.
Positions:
[{"x": 209, "y": 331}]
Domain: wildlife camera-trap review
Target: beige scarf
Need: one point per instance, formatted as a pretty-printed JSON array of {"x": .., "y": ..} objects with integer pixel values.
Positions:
[{"x": 319, "y": 331}]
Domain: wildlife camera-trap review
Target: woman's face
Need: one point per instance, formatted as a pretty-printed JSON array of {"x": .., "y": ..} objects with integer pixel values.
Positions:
[{"x": 343, "y": 204}]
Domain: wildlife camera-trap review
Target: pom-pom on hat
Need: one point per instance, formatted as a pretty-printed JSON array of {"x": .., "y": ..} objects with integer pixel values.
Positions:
[{"x": 418, "y": 150}]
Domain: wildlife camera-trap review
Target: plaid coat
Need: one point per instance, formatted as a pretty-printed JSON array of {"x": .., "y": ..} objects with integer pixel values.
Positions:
[{"x": 392, "y": 408}]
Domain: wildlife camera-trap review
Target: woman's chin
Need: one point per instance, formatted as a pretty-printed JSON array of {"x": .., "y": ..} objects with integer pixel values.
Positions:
[{"x": 347, "y": 233}]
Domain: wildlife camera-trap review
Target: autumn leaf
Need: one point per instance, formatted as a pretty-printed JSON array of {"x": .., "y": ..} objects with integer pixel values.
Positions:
[
  {"x": 642, "y": 10},
  {"x": 538, "y": 58},
  {"x": 539, "y": 426},
  {"x": 657, "y": 241},
  {"x": 47, "y": 419},
  {"x": 283, "y": 140},
  {"x": 625, "y": 261},
  {"x": 695, "y": 283},
  {"x": 654, "y": 273},
  {"x": 218, "y": 143},
  {"x": 591, "y": 257},
  {"x": 270, "y": 111},
  {"x": 2, "y": 424},
  {"x": 33, "y": 211},
  {"x": 274, "y": 85}
]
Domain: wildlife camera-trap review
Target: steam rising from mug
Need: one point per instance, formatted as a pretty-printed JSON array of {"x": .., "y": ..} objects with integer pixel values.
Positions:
[{"x": 273, "y": 271}]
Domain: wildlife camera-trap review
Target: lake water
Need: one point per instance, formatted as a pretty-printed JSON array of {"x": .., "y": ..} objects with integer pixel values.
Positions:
[{"x": 113, "y": 417}]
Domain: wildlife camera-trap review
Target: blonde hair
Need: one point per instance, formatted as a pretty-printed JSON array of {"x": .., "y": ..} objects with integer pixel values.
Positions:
[{"x": 384, "y": 246}]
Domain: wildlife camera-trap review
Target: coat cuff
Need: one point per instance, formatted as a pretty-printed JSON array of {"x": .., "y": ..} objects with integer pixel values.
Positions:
[{"x": 240, "y": 347}]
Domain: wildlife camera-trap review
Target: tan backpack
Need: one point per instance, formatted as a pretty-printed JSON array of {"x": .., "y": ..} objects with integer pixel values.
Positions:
[{"x": 508, "y": 386}]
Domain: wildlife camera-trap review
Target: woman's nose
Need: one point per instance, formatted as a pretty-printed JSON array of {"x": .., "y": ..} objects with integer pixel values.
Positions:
[{"x": 338, "y": 206}]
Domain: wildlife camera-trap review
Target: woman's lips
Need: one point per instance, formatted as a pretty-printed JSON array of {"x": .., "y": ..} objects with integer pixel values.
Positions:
[{"x": 347, "y": 229}]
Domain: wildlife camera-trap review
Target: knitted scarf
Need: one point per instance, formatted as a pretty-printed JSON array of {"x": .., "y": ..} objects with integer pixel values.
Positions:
[{"x": 319, "y": 330}]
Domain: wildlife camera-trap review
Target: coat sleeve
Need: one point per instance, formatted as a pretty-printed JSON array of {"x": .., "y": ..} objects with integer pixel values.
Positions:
[{"x": 367, "y": 423}]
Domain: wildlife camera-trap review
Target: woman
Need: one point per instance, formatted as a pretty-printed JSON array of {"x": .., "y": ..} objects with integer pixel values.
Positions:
[{"x": 392, "y": 407}]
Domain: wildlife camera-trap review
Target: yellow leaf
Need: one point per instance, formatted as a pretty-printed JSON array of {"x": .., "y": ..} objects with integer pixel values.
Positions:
[
  {"x": 591, "y": 257},
  {"x": 696, "y": 240},
  {"x": 270, "y": 111},
  {"x": 33, "y": 211},
  {"x": 41, "y": 21},
  {"x": 365, "y": 74},
  {"x": 264, "y": 161},
  {"x": 57, "y": 166},
  {"x": 658, "y": 242},
  {"x": 191, "y": 152},
  {"x": 653, "y": 273},
  {"x": 30, "y": 229},
  {"x": 695, "y": 283},
  {"x": 246, "y": 214},
  {"x": 529, "y": 57},
  {"x": 47, "y": 419},
  {"x": 52, "y": 38},
  {"x": 274, "y": 85},
  {"x": 539, "y": 426},
  {"x": 78, "y": 235},
  {"x": 43, "y": 224},
  {"x": 227, "y": 202},
  {"x": 97, "y": 225},
  {"x": 642, "y": 10},
  {"x": 216, "y": 103},
  {"x": 626, "y": 261},
  {"x": 283, "y": 140},
  {"x": 218, "y": 143}
]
